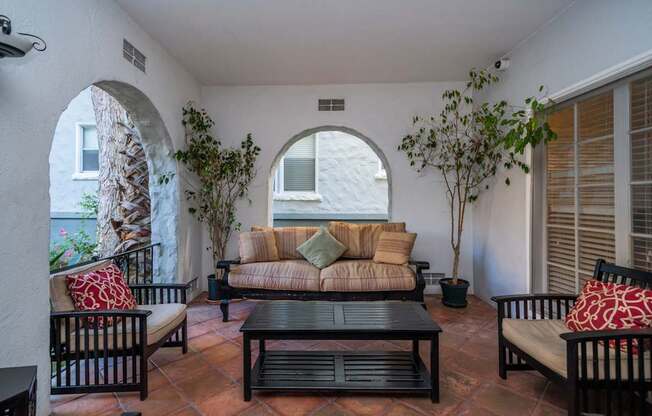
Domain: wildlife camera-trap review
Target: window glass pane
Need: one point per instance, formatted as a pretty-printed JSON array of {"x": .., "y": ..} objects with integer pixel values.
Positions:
[
  {"x": 642, "y": 156},
  {"x": 642, "y": 209},
  {"x": 302, "y": 149},
  {"x": 299, "y": 166},
  {"x": 90, "y": 137},
  {"x": 642, "y": 256},
  {"x": 299, "y": 174},
  {"x": 90, "y": 161},
  {"x": 641, "y": 105}
]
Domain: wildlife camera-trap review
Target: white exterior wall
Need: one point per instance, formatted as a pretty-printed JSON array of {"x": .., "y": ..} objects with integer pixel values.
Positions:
[
  {"x": 66, "y": 191},
  {"x": 84, "y": 46},
  {"x": 347, "y": 170},
  {"x": 590, "y": 37},
  {"x": 380, "y": 112}
]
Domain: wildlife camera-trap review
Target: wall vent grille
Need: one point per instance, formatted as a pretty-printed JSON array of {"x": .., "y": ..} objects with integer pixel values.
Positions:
[
  {"x": 432, "y": 279},
  {"x": 330, "y": 104},
  {"x": 133, "y": 55}
]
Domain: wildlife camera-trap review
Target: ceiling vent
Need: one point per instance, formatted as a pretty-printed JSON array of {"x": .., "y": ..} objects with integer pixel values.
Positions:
[
  {"x": 330, "y": 104},
  {"x": 133, "y": 55}
]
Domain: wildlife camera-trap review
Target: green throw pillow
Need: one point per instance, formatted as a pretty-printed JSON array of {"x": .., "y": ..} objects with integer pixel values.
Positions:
[{"x": 322, "y": 249}]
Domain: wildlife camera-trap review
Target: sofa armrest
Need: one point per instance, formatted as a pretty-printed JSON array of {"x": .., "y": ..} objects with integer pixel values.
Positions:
[
  {"x": 157, "y": 293},
  {"x": 420, "y": 265},
  {"x": 226, "y": 264},
  {"x": 534, "y": 306}
]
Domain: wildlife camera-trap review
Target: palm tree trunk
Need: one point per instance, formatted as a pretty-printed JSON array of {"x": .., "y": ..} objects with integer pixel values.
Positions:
[{"x": 108, "y": 116}]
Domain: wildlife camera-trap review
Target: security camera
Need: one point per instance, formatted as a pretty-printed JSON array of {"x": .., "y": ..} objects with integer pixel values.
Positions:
[
  {"x": 14, "y": 46},
  {"x": 501, "y": 64}
]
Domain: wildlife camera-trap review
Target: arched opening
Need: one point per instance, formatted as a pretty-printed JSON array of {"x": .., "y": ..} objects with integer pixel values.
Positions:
[
  {"x": 148, "y": 208},
  {"x": 329, "y": 173}
]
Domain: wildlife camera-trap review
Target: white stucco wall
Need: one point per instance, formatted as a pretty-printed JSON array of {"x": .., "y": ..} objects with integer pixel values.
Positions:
[
  {"x": 84, "y": 46},
  {"x": 380, "y": 112},
  {"x": 347, "y": 182},
  {"x": 590, "y": 37},
  {"x": 66, "y": 191}
]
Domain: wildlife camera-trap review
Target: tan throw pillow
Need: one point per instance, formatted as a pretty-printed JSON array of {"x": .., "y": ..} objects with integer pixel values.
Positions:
[
  {"x": 394, "y": 248},
  {"x": 361, "y": 240},
  {"x": 288, "y": 239},
  {"x": 258, "y": 246}
]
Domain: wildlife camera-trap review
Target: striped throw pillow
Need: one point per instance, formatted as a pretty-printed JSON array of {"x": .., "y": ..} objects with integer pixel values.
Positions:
[
  {"x": 361, "y": 240},
  {"x": 258, "y": 246},
  {"x": 288, "y": 239},
  {"x": 394, "y": 248}
]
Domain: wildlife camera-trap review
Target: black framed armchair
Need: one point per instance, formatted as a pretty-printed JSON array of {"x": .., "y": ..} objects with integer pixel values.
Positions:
[
  {"x": 532, "y": 336},
  {"x": 87, "y": 357}
]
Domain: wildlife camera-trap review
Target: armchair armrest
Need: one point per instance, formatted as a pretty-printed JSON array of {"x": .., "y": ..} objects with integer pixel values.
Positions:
[
  {"x": 157, "y": 293},
  {"x": 123, "y": 313},
  {"x": 534, "y": 306},
  {"x": 611, "y": 334}
]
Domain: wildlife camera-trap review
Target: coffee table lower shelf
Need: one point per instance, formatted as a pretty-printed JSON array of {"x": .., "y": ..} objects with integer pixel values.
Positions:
[{"x": 328, "y": 371}]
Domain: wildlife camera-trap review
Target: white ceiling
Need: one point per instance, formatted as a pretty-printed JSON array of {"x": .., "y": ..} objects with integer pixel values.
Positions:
[{"x": 265, "y": 42}]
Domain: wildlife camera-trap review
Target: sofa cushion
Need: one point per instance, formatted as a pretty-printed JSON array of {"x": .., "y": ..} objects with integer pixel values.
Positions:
[
  {"x": 366, "y": 276},
  {"x": 288, "y": 239},
  {"x": 256, "y": 246},
  {"x": 394, "y": 248},
  {"x": 361, "y": 239},
  {"x": 293, "y": 275},
  {"x": 164, "y": 318},
  {"x": 60, "y": 299},
  {"x": 322, "y": 249},
  {"x": 540, "y": 339}
]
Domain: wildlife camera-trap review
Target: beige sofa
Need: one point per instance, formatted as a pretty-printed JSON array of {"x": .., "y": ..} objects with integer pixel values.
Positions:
[{"x": 355, "y": 276}]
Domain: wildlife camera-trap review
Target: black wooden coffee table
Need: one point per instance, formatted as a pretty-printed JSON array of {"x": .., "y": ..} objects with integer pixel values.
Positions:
[{"x": 352, "y": 371}]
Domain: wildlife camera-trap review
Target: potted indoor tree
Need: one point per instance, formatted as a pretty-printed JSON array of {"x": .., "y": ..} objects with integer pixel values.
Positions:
[
  {"x": 224, "y": 177},
  {"x": 468, "y": 143}
]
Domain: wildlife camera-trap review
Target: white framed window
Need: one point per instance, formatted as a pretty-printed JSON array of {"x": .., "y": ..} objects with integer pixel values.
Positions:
[
  {"x": 381, "y": 174},
  {"x": 297, "y": 174},
  {"x": 598, "y": 184},
  {"x": 87, "y": 163}
]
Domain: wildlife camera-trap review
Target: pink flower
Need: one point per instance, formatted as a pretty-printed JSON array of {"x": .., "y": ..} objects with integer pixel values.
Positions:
[
  {"x": 68, "y": 253},
  {"x": 63, "y": 232}
]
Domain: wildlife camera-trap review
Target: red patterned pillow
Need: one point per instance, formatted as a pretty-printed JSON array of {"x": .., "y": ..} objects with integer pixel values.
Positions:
[
  {"x": 100, "y": 289},
  {"x": 604, "y": 306}
]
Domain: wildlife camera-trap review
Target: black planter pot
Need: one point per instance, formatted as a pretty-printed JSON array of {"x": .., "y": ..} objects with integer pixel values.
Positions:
[
  {"x": 454, "y": 296},
  {"x": 213, "y": 295}
]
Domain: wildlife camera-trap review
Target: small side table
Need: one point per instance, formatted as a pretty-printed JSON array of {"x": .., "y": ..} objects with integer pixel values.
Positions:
[{"x": 18, "y": 391}]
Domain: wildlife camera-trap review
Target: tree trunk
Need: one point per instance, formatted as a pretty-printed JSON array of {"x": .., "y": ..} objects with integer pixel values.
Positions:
[
  {"x": 109, "y": 115},
  {"x": 133, "y": 220}
]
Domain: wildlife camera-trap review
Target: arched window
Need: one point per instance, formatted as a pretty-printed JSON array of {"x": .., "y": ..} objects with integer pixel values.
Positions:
[{"x": 328, "y": 175}]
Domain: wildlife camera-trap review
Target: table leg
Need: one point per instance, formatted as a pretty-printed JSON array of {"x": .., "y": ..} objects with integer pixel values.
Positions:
[
  {"x": 415, "y": 350},
  {"x": 434, "y": 368},
  {"x": 246, "y": 367}
]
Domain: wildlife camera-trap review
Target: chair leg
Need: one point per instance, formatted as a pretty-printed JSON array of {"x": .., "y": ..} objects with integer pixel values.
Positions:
[
  {"x": 143, "y": 377},
  {"x": 224, "y": 307},
  {"x": 184, "y": 336},
  {"x": 502, "y": 352}
]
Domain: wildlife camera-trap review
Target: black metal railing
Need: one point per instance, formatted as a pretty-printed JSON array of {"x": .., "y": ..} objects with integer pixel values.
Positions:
[{"x": 137, "y": 265}]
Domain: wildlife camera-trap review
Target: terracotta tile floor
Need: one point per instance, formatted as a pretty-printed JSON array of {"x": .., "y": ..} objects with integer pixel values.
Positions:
[{"x": 206, "y": 381}]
